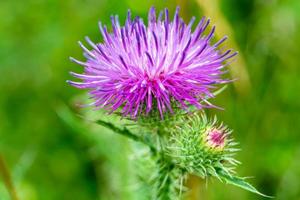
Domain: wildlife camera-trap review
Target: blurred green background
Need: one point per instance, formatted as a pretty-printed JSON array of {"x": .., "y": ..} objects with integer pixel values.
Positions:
[{"x": 52, "y": 153}]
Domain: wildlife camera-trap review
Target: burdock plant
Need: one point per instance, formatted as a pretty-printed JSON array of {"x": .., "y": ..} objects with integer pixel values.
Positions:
[{"x": 159, "y": 77}]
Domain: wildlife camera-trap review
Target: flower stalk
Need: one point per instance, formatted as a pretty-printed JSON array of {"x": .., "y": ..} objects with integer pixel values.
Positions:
[{"x": 5, "y": 175}]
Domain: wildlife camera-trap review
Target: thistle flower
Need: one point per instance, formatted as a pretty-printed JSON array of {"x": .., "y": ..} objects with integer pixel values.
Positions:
[
  {"x": 201, "y": 147},
  {"x": 164, "y": 64}
]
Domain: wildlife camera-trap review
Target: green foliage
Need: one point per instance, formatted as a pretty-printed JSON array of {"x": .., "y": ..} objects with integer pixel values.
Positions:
[
  {"x": 185, "y": 149},
  {"x": 237, "y": 181},
  {"x": 165, "y": 180}
]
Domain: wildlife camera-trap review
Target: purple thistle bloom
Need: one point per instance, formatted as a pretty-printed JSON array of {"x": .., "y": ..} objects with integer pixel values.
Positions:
[{"x": 164, "y": 64}]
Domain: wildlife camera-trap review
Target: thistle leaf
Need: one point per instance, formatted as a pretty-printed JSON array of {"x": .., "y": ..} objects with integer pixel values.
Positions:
[
  {"x": 239, "y": 182},
  {"x": 126, "y": 132}
]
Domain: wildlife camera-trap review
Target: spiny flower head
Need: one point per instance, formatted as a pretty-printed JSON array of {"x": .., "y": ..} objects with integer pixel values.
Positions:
[
  {"x": 201, "y": 146},
  {"x": 161, "y": 65}
]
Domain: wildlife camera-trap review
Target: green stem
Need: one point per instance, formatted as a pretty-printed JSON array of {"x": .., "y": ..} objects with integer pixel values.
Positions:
[
  {"x": 125, "y": 132},
  {"x": 4, "y": 172},
  {"x": 165, "y": 181}
]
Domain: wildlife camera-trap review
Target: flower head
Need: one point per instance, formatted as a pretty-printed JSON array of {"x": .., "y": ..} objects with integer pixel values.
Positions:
[
  {"x": 162, "y": 65},
  {"x": 202, "y": 146}
]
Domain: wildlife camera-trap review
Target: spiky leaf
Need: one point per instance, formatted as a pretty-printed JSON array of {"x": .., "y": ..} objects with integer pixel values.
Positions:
[{"x": 239, "y": 182}]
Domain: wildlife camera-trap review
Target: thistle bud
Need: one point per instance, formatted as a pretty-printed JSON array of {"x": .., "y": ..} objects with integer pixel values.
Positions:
[{"x": 201, "y": 146}]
